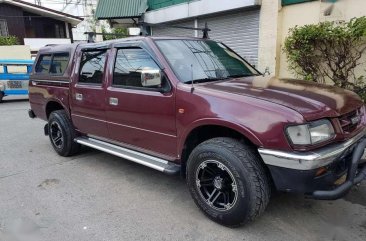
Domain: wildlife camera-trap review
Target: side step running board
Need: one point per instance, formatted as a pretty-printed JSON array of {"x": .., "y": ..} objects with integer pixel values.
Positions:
[{"x": 138, "y": 157}]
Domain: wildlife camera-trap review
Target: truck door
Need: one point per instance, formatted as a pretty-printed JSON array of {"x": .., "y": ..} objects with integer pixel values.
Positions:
[
  {"x": 139, "y": 116},
  {"x": 88, "y": 93}
]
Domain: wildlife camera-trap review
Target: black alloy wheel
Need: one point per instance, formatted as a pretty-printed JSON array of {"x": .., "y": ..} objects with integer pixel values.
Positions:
[{"x": 216, "y": 185}]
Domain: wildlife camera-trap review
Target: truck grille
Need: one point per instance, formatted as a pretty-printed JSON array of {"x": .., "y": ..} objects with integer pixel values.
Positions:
[{"x": 350, "y": 121}]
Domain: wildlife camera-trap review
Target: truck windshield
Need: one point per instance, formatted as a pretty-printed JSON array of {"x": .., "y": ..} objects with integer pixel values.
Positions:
[{"x": 203, "y": 60}]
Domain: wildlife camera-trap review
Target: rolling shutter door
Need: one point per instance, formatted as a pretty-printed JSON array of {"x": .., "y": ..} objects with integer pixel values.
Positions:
[
  {"x": 238, "y": 30},
  {"x": 174, "y": 32}
]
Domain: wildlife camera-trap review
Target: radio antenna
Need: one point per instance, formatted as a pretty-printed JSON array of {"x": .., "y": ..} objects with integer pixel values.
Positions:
[
  {"x": 192, "y": 84},
  {"x": 205, "y": 31}
]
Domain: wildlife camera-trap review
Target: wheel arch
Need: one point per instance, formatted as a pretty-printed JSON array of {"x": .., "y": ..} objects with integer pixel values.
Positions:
[
  {"x": 206, "y": 129},
  {"x": 53, "y": 105}
]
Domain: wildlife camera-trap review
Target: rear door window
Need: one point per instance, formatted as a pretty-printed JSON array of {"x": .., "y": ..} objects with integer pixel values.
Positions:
[
  {"x": 92, "y": 67},
  {"x": 44, "y": 63}
]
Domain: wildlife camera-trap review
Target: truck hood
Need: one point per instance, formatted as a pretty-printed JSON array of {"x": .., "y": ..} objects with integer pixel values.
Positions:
[{"x": 312, "y": 100}]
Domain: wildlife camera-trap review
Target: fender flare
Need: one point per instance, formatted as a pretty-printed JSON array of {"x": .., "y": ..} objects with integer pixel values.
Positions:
[
  {"x": 216, "y": 122},
  {"x": 58, "y": 102}
]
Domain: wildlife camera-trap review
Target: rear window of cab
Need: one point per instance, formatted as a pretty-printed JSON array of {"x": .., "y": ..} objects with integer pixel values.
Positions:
[{"x": 52, "y": 64}]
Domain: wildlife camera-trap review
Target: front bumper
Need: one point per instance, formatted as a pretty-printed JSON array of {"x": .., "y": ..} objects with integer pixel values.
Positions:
[{"x": 318, "y": 173}]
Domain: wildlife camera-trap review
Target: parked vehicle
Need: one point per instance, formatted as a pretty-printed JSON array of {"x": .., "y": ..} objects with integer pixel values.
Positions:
[
  {"x": 193, "y": 106},
  {"x": 14, "y": 77}
]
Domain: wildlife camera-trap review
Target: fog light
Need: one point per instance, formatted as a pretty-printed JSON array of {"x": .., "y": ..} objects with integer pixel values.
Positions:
[{"x": 341, "y": 180}]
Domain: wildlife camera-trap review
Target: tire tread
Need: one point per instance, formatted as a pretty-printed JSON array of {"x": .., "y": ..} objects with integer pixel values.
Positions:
[
  {"x": 251, "y": 161},
  {"x": 72, "y": 147}
]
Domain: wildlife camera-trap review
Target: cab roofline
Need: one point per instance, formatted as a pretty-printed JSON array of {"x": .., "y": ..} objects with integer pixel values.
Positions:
[{"x": 73, "y": 46}]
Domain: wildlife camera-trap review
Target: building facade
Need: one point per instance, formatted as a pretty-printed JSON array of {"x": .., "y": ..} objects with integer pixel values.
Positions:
[
  {"x": 35, "y": 25},
  {"x": 302, "y": 12},
  {"x": 236, "y": 23},
  {"x": 256, "y": 29}
]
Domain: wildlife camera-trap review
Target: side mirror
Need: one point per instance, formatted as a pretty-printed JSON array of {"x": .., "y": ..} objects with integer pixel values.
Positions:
[{"x": 151, "y": 78}]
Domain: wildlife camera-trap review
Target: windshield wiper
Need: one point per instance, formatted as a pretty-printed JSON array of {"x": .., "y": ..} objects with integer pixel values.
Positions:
[
  {"x": 203, "y": 80},
  {"x": 240, "y": 75}
]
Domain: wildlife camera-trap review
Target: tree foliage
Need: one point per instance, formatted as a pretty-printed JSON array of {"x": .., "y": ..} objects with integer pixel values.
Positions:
[
  {"x": 9, "y": 40},
  {"x": 116, "y": 33},
  {"x": 329, "y": 50}
]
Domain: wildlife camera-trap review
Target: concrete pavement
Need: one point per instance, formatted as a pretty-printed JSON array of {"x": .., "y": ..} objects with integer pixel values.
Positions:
[{"x": 96, "y": 196}]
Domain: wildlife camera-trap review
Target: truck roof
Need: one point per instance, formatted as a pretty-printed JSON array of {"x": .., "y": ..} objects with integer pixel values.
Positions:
[{"x": 72, "y": 47}]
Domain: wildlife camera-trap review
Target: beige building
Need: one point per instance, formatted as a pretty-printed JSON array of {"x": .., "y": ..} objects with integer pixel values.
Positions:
[{"x": 278, "y": 17}]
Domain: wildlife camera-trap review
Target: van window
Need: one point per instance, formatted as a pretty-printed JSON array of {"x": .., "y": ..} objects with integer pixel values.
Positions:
[
  {"x": 43, "y": 65},
  {"x": 59, "y": 63},
  {"x": 92, "y": 67}
]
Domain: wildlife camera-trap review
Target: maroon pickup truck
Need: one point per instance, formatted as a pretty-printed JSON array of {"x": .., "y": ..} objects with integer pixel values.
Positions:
[{"x": 195, "y": 107}]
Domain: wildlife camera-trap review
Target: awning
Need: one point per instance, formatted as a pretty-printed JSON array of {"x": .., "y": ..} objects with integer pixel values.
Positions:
[
  {"x": 43, "y": 11},
  {"x": 119, "y": 9}
]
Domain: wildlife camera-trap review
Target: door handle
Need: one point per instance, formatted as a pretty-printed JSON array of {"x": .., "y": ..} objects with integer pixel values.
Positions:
[
  {"x": 113, "y": 101},
  {"x": 78, "y": 96}
]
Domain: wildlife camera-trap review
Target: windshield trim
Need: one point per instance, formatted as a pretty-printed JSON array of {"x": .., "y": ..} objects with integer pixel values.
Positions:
[{"x": 254, "y": 68}]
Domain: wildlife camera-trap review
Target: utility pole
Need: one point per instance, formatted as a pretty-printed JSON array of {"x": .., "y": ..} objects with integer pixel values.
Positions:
[{"x": 92, "y": 24}]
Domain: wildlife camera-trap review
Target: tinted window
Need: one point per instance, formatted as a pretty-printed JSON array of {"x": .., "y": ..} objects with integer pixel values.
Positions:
[
  {"x": 128, "y": 67},
  {"x": 202, "y": 60},
  {"x": 43, "y": 65},
  {"x": 59, "y": 63},
  {"x": 92, "y": 67}
]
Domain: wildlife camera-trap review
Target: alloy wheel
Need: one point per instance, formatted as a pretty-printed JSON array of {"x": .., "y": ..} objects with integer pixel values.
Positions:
[
  {"x": 56, "y": 134},
  {"x": 216, "y": 185}
]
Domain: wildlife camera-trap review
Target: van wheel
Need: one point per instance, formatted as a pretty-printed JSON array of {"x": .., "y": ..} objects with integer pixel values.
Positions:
[
  {"x": 1, "y": 96},
  {"x": 62, "y": 134},
  {"x": 227, "y": 181}
]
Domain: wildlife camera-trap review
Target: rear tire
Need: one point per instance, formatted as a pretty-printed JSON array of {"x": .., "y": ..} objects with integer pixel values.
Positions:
[
  {"x": 62, "y": 134},
  {"x": 227, "y": 181}
]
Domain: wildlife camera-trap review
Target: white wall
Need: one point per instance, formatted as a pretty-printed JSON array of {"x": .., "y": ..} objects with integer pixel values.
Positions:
[
  {"x": 36, "y": 43},
  {"x": 195, "y": 9},
  {"x": 15, "y": 52}
]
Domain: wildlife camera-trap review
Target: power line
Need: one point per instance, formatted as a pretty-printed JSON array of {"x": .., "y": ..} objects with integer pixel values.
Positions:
[
  {"x": 65, "y": 3},
  {"x": 31, "y": 16}
]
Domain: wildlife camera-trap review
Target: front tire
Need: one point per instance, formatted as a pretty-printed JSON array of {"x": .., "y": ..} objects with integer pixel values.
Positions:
[
  {"x": 228, "y": 181},
  {"x": 62, "y": 134},
  {"x": 1, "y": 96}
]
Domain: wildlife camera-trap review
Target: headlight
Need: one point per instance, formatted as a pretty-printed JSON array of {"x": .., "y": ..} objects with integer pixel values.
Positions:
[
  {"x": 311, "y": 133},
  {"x": 363, "y": 113}
]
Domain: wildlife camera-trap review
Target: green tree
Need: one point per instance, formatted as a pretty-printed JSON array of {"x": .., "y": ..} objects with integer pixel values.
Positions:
[
  {"x": 115, "y": 34},
  {"x": 9, "y": 40},
  {"x": 329, "y": 50}
]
